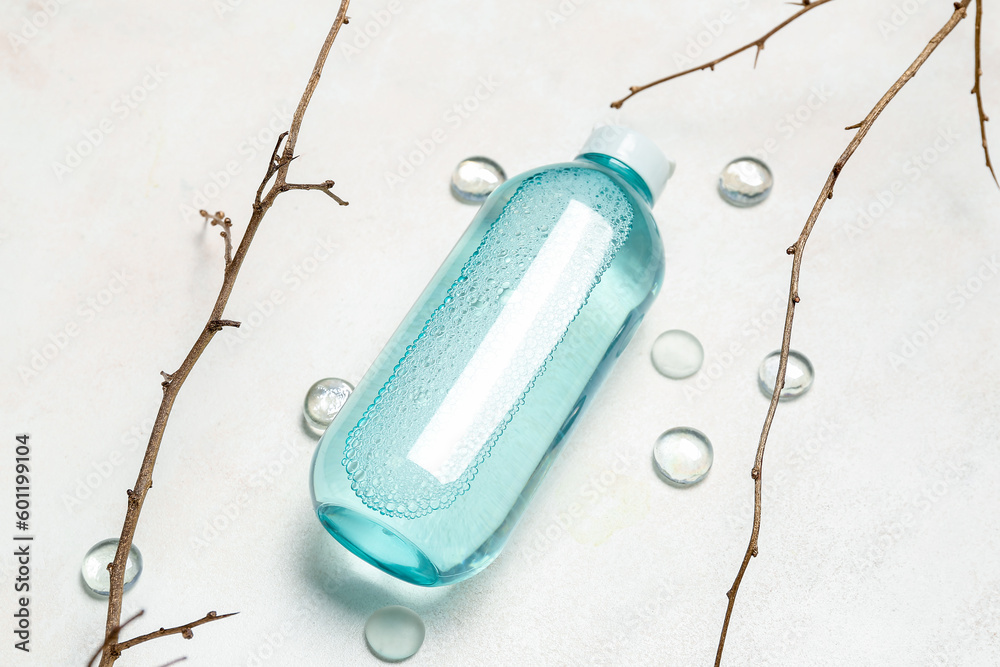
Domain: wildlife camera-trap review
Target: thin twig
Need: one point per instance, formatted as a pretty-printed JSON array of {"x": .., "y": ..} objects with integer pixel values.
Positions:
[
  {"x": 174, "y": 381},
  {"x": 322, "y": 187},
  {"x": 759, "y": 43},
  {"x": 183, "y": 630},
  {"x": 272, "y": 169},
  {"x": 174, "y": 661},
  {"x": 221, "y": 220},
  {"x": 112, "y": 637},
  {"x": 978, "y": 91},
  {"x": 796, "y": 250}
]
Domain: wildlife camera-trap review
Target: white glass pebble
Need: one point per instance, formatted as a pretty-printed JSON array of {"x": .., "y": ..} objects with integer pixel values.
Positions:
[
  {"x": 799, "y": 375},
  {"x": 394, "y": 633},
  {"x": 745, "y": 181},
  {"x": 324, "y": 401},
  {"x": 677, "y": 354},
  {"x": 94, "y": 570},
  {"x": 683, "y": 456},
  {"x": 475, "y": 178}
]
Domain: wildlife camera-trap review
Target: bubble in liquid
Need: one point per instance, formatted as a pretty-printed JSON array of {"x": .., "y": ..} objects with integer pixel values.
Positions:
[
  {"x": 677, "y": 354},
  {"x": 745, "y": 181},
  {"x": 395, "y": 439},
  {"x": 475, "y": 178},
  {"x": 324, "y": 401},
  {"x": 96, "y": 577},
  {"x": 799, "y": 375},
  {"x": 683, "y": 456},
  {"x": 394, "y": 633}
]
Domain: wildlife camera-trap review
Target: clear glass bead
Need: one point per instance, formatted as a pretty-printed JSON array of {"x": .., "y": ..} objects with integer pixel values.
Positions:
[
  {"x": 96, "y": 577},
  {"x": 799, "y": 375},
  {"x": 683, "y": 456},
  {"x": 324, "y": 401},
  {"x": 394, "y": 633},
  {"x": 677, "y": 354},
  {"x": 475, "y": 178},
  {"x": 745, "y": 181}
]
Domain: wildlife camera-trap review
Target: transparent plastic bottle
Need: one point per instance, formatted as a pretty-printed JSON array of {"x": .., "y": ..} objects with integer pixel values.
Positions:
[{"x": 430, "y": 463}]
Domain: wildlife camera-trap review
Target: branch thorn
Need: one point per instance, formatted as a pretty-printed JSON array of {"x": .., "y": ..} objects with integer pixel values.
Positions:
[{"x": 216, "y": 325}]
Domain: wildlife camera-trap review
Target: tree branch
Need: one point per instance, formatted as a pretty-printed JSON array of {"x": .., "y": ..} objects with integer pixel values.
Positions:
[
  {"x": 112, "y": 637},
  {"x": 272, "y": 169},
  {"x": 978, "y": 91},
  {"x": 806, "y": 5},
  {"x": 278, "y": 168},
  {"x": 183, "y": 630},
  {"x": 322, "y": 187},
  {"x": 174, "y": 661},
  {"x": 221, "y": 220},
  {"x": 796, "y": 250}
]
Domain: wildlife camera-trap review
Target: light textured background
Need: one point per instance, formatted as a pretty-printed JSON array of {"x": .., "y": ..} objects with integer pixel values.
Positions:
[{"x": 880, "y": 543}]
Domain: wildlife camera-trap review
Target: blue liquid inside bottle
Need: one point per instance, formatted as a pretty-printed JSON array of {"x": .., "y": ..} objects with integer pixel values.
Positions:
[{"x": 431, "y": 462}]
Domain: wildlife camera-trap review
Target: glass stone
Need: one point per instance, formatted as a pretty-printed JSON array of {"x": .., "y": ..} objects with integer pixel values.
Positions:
[
  {"x": 475, "y": 178},
  {"x": 394, "y": 633},
  {"x": 324, "y": 401},
  {"x": 96, "y": 577},
  {"x": 677, "y": 354},
  {"x": 745, "y": 181},
  {"x": 799, "y": 375},
  {"x": 683, "y": 456}
]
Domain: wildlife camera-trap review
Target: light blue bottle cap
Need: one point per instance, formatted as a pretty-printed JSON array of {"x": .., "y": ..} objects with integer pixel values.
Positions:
[{"x": 634, "y": 149}]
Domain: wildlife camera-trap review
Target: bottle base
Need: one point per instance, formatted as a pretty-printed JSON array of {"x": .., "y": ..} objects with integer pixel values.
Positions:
[{"x": 379, "y": 545}]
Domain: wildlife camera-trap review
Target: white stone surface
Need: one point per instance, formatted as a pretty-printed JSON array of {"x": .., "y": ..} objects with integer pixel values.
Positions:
[{"x": 880, "y": 543}]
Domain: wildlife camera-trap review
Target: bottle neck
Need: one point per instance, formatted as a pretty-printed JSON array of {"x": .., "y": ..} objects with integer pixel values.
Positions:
[{"x": 628, "y": 174}]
